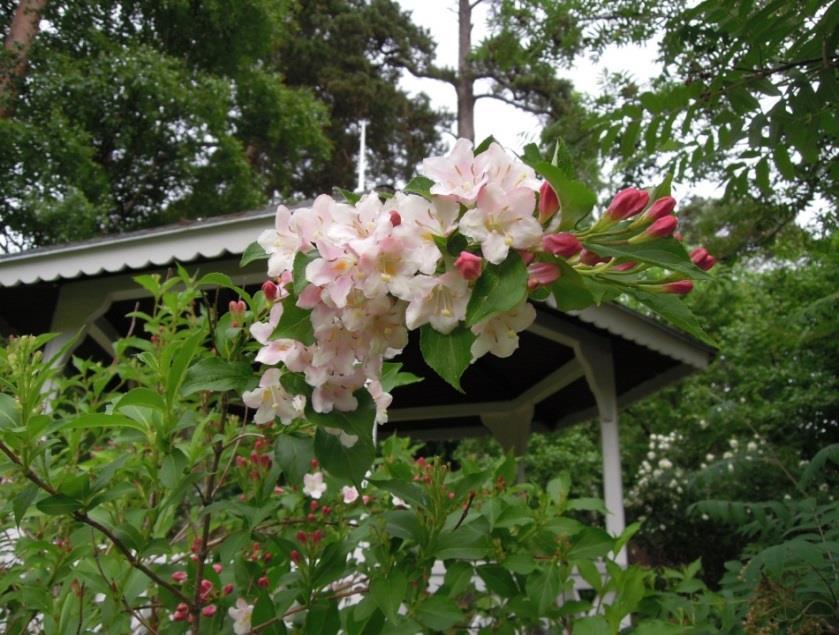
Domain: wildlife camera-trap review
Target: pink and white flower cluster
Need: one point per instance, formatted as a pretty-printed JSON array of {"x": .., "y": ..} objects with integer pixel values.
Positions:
[{"x": 376, "y": 272}]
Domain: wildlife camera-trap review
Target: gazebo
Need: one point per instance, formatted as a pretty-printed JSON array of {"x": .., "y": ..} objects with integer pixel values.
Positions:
[{"x": 570, "y": 366}]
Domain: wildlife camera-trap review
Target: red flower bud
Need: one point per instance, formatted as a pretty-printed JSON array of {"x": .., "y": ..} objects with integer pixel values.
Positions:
[
  {"x": 662, "y": 207},
  {"x": 421, "y": 462},
  {"x": 562, "y": 244},
  {"x": 663, "y": 227},
  {"x": 677, "y": 235},
  {"x": 311, "y": 517},
  {"x": 590, "y": 258},
  {"x": 217, "y": 567},
  {"x": 179, "y": 616},
  {"x": 541, "y": 273},
  {"x": 295, "y": 556},
  {"x": 267, "y": 556},
  {"x": 270, "y": 290},
  {"x": 241, "y": 461},
  {"x": 183, "y": 607},
  {"x": 317, "y": 536},
  {"x": 179, "y": 577},
  {"x": 548, "y": 202},
  {"x": 679, "y": 287},
  {"x": 262, "y": 581},
  {"x": 702, "y": 259},
  {"x": 313, "y": 506},
  {"x": 627, "y": 203},
  {"x": 206, "y": 586},
  {"x": 314, "y": 463},
  {"x": 302, "y": 537},
  {"x": 196, "y": 545},
  {"x": 395, "y": 218},
  {"x": 278, "y": 490},
  {"x": 469, "y": 265},
  {"x": 228, "y": 588},
  {"x": 366, "y": 499},
  {"x": 326, "y": 510},
  {"x": 209, "y": 610},
  {"x": 265, "y": 461},
  {"x": 624, "y": 266}
]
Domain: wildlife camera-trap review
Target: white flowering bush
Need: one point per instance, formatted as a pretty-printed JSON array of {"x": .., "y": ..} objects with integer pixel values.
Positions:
[{"x": 222, "y": 474}]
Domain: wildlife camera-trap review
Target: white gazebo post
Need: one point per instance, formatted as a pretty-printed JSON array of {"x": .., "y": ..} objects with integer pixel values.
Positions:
[{"x": 599, "y": 368}]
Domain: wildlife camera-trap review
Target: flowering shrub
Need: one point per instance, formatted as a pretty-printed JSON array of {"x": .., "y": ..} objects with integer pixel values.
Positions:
[{"x": 176, "y": 490}]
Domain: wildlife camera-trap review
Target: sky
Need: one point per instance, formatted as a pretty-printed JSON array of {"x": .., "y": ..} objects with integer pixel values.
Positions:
[{"x": 515, "y": 128}]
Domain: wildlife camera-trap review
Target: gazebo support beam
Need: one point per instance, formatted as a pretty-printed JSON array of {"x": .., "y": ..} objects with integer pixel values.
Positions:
[{"x": 600, "y": 373}]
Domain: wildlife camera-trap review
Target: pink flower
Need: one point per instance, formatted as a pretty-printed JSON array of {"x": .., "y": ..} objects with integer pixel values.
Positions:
[
  {"x": 562, "y": 244},
  {"x": 271, "y": 400},
  {"x": 241, "y": 616},
  {"x": 502, "y": 220},
  {"x": 384, "y": 265},
  {"x": 548, "y": 202},
  {"x": 335, "y": 276},
  {"x": 439, "y": 301},
  {"x": 422, "y": 221},
  {"x": 336, "y": 394},
  {"x": 541, "y": 273},
  {"x": 313, "y": 485},
  {"x": 499, "y": 334},
  {"x": 350, "y": 494},
  {"x": 469, "y": 265},
  {"x": 281, "y": 243},
  {"x": 261, "y": 331},
  {"x": 457, "y": 174},
  {"x": 505, "y": 171}
]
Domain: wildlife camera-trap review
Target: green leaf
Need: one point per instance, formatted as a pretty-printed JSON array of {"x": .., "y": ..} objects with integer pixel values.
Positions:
[
  {"x": 665, "y": 252},
  {"x": 448, "y": 355},
  {"x": 483, "y": 146},
  {"x": 218, "y": 375},
  {"x": 673, "y": 310},
  {"x": 575, "y": 198},
  {"x": 23, "y": 500},
  {"x": 172, "y": 469},
  {"x": 295, "y": 323},
  {"x": 388, "y": 591},
  {"x": 438, "y": 613},
  {"x": 322, "y": 618},
  {"x": 408, "y": 492},
  {"x": 498, "y": 580},
  {"x": 543, "y": 588},
  {"x": 587, "y": 504},
  {"x": 559, "y": 487},
  {"x": 177, "y": 370},
  {"x": 350, "y": 197},
  {"x": 100, "y": 420},
  {"x": 591, "y": 542},
  {"x": 301, "y": 261},
  {"x": 663, "y": 188},
  {"x": 58, "y": 504},
  {"x": 141, "y": 397},
  {"x": 339, "y": 460},
  {"x": 393, "y": 377},
  {"x": 252, "y": 252},
  {"x": 468, "y": 542},
  {"x": 419, "y": 185},
  {"x": 596, "y": 625},
  {"x": 500, "y": 288},
  {"x": 569, "y": 290},
  {"x": 9, "y": 415},
  {"x": 783, "y": 162},
  {"x": 294, "y": 455}
]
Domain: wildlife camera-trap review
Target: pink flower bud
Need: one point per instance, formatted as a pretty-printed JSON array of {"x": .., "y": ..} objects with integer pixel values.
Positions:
[
  {"x": 228, "y": 588},
  {"x": 590, "y": 258},
  {"x": 395, "y": 218},
  {"x": 314, "y": 463},
  {"x": 663, "y": 227},
  {"x": 278, "y": 490},
  {"x": 526, "y": 256},
  {"x": 469, "y": 265},
  {"x": 662, "y": 207},
  {"x": 548, "y": 202},
  {"x": 366, "y": 499},
  {"x": 313, "y": 506},
  {"x": 678, "y": 236},
  {"x": 196, "y": 545},
  {"x": 179, "y": 616},
  {"x": 702, "y": 259},
  {"x": 206, "y": 586},
  {"x": 179, "y": 577},
  {"x": 541, "y": 273},
  {"x": 627, "y": 203},
  {"x": 262, "y": 581},
  {"x": 624, "y": 266},
  {"x": 217, "y": 567},
  {"x": 209, "y": 610},
  {"x": 270, "y": 290},
  {"x": 182, "y": 607},
  {"x": 562, "y": 244},
  {"x": 679, "y": 287}
]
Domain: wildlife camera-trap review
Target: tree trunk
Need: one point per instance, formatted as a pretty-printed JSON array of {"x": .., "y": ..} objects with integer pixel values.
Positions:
[
  {"x": 465, "y": 86},
  {"x": 22, "y": 33}
]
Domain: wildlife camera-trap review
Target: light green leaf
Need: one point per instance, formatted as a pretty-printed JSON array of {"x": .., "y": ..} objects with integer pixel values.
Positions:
[
  {"x": 252, "y": 252},
  {"x": 141, "y": 397},
  {"x": 575, "y": 198},
  {"x": 101, "y": 420},
  {"x": 393, "y": 377},
  {"x": 419, "y": 185},
  {"x": 665, "y": 252},
  {"x": 9, "y": 415},
  {"x": 218, "y": 375},
  {"x": 23, "y": 500},
  {"x": 673, "y": 310},
  {"x": 301, "y": 261}
]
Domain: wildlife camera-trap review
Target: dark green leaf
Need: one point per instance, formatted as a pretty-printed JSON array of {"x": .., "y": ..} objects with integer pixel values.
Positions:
[
  {"x": 294, "y": 455},
  {"x": 99, "y": 420},
  {"x": 665, "y": 252},
  {"x": 674, "y": 310},
  {"x": 301, "y": 261},
  {"x": 342, "y": 462},
  {"x": 448, "y": 355},
  {"x": 58, "y": 504},
  {"x": 393, "y": 377},
  {"x": 295, "y": 323},
  {"x": 484, "y": 145},
  {"x": 438, "y": 613},
  {"x": 218, "y": 375},
  {"x": 575, "y": 198},
  {"x": 388, "y": 591},
  {"x": 419, "y": 185},
  {"x": 498, "y": 580},
  {"x": 141, "y": 397},
  {"x": 500, "y": 288},
  {"x": 23, "y": 500}
]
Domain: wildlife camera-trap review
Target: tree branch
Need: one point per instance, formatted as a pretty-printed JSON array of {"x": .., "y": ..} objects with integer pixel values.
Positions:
[
  {"x": 82, "y": 517},
  {"x": 511, "y": 102}
]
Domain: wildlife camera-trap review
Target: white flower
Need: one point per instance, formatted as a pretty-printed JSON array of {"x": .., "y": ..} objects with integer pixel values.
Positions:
[
  {"x": 398, "y": 502},
  {"x": 313, "y": 485},
  {"x": 350, "y": 494},
  {"x": 241, "y": 616},
  {"x": 651, "y": 455},
  {"x": 271, "y": 400},
  {"x": 665, "y": 464},
  {"x": 709, "y": 457},
  {"x": 499, "y": 334},
  {"x": 752, "y": 446},
  {"x": 733, "y": 443}
]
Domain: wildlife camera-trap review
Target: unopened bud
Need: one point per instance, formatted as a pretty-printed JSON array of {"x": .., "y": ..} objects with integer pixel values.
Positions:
[
  {"x": 563, "y": 244},
  {"x": 662, "y": 228},
  {"x": 702, "y": 259},
  {"x": 179, "y": 577},
  {"x": 590, "y": 258},
  {"x": 209, "y": 610},
  {"x": 295, "y": 556},
  {"x": 317, "y": 536},
  {"x": 541, "y": 273},
  {"x": 228, "y": 588},
  {"x": 302, "y": 537},
  {"x": 395, "y": 218},
  {"x": 679, "y": 287},
  {"x": 624, "y": 266},
  {"x": 262, "y": 581},
  {"x": 469, "y": 265},
  {"x": 661, "y": 208},
  {"x": 548, "y": 202},
  {"x": 270, "y": 290},
  {"x": 217, "y": 567},
  {"x": 627, "y": 203}
]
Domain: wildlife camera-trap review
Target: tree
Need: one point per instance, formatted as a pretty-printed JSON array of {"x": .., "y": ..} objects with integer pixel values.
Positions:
[
  {"x": 748, "y": 98},
  {"x": 132, "y": 114}
]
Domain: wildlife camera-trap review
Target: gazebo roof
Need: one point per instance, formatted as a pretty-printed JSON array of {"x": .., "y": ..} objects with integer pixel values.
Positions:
[{"x": 546, "y": 371}]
